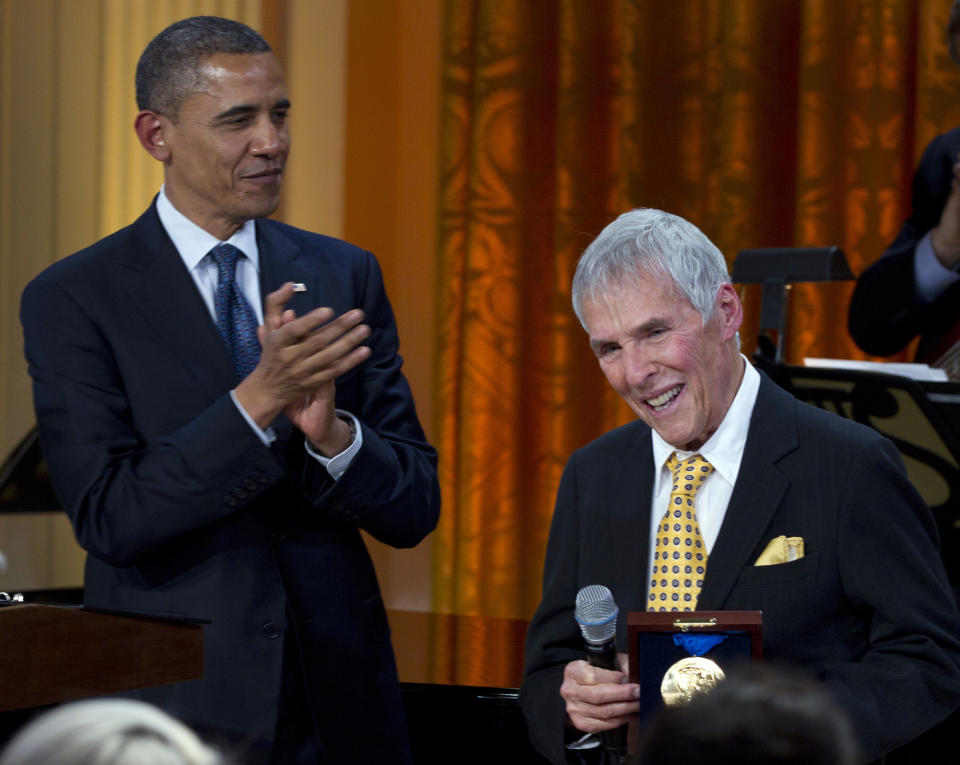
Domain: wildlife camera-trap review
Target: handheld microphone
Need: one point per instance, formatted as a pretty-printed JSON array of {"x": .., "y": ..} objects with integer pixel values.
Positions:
[{"x": 596, "y": 613}]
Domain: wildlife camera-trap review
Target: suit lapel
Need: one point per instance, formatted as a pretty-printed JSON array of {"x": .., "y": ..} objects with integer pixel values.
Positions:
[
  {"x": 162, "y": 288},
  {"x": 622, "y": 530},
  {"x": 759, "y": 490},
  {"x": 279, "y": 264},
  {"x": 640, "y": 470}
]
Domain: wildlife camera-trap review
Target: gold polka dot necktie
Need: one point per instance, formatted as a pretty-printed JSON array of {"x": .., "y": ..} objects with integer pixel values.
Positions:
[{"x": 680, "y": 557}]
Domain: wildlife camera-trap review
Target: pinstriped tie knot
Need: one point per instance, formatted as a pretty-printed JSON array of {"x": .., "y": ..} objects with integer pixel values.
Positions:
[
  {"x": 680, "y": 556},
  {"x": 235, "y": 318}
]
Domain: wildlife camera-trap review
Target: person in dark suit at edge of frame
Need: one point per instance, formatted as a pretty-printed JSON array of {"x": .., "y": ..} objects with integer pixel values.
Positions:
[{"x": 914, "y": 288}]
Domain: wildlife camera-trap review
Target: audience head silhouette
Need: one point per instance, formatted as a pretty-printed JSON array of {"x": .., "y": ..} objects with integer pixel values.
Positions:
[
  {"x": 108, "y": 732},
  {"x": 759, "y": 715}
]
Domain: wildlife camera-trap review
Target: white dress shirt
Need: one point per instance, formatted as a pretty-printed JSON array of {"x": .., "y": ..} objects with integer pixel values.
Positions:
[
  {"x": 194, "y": 244},
  {"x": 931, "y": 277},
  {"x": 723, "y": 450}
]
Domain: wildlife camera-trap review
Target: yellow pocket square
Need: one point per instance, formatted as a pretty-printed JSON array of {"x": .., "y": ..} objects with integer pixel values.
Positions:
[{"x": 781, "y": 550}]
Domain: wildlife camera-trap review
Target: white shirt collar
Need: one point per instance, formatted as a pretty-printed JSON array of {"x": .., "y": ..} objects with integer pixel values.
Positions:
[
  {"x": 724, "y": 449},
  {"x": 193, "y": 242}
]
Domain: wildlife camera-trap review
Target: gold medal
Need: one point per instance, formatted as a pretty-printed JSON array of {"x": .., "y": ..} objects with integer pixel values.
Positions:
[{"x": 688, "y": 678}]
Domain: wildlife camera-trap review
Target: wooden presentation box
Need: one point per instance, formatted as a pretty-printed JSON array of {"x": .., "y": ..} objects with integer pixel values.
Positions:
[{"x": 655, "y": 644}]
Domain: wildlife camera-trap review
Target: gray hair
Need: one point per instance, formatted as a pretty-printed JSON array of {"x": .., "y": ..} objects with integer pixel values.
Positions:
[
  {"x": 648, "y": 242},
  {"x": 168, "y": 71},
  {"x": 108, "y": 732}
]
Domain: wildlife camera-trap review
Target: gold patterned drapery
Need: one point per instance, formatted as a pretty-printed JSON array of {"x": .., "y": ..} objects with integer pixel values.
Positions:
[{"x": 765, "y": 122}]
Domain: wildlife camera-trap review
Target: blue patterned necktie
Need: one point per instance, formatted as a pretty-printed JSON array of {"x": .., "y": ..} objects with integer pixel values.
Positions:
[
  {"x": 680, "y": 558},
  {"x": 235, "y": 318}
]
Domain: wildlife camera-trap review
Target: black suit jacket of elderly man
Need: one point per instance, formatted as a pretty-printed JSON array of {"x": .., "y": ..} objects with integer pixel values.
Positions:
[
  {"x": 868, "y": 608},
  {"x": 185, "y": 513}
]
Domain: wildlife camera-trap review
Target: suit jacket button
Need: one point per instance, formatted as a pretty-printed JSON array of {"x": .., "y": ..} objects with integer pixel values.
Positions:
[{"x": 270, "y": 630}]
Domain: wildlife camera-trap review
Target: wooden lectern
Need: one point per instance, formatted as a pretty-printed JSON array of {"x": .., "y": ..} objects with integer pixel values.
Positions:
[{"x": 50, "y": 654}]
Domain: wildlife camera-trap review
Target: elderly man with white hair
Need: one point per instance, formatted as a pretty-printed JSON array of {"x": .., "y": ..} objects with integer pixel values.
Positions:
[{"x": 724, "y": 472}]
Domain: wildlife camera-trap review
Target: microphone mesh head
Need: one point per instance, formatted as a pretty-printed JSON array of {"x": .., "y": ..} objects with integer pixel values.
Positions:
[{"x": 596, "y": 613}]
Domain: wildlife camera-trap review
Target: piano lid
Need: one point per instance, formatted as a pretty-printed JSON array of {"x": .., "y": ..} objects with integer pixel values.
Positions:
[{"x": 24, "y": 481}]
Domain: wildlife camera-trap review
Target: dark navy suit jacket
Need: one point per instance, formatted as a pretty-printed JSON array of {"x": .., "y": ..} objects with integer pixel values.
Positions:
[
  {"x": 868, "y": 608},
  {"x": 885, "y": 314},
  {"x": 185, "y": 513}
]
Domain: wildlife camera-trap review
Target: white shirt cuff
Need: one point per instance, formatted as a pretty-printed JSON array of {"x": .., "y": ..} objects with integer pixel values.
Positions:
[
  {"x": 337, "y": 465},
  {"x": 930, "y": 275},
  {"x": 266, "y": 436}
]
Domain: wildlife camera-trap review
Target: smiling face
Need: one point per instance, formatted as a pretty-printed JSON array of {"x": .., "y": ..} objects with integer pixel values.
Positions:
[
  {"x": 225, "y": 154},
  {"x": 679, "y": 375}
]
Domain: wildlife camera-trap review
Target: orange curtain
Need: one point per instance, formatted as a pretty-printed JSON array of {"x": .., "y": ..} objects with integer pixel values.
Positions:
[{"x": 765, "y": 122}]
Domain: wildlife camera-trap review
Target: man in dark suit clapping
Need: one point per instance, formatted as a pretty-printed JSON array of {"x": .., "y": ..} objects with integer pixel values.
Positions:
[{"x": 220, "y": 402}]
